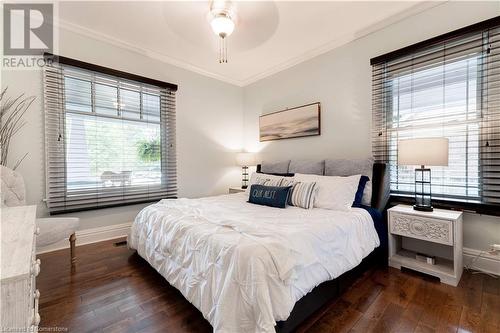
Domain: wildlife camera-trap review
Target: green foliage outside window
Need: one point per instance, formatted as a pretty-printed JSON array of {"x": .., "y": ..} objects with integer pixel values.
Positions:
[{"x": 148, "y": 150}]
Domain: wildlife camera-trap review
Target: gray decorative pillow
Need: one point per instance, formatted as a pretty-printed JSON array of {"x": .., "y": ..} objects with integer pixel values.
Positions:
[
  {"x": 349, "y": 167},
  {"x": 307, "y": 167},
  {"x": 276, "y": 167}
]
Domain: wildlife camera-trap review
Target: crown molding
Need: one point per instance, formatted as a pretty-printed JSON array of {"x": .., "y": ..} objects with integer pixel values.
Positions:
[
  {"x": 343, "y": 40},
  {"x": 93, "y": 34},
  {"x": 90, "y": 33}
]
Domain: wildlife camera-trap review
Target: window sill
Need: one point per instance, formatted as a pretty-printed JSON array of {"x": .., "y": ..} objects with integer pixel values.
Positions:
[
  {"x": 466, "y": 206},
  {"x": 104, "y": 206}
]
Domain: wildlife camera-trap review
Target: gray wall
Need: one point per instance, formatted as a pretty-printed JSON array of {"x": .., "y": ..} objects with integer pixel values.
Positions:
[
  {"x": 215, "y": 119},
  {"x": 209, "y": 126},
  {"x": 341, "y": 81}
]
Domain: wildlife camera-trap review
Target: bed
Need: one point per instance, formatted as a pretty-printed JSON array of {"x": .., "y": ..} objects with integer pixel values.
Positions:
[{"x": 251, "y": 268}]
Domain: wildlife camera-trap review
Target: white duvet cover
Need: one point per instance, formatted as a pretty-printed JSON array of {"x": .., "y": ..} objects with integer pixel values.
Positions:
[{"x": 243, "y": 265}]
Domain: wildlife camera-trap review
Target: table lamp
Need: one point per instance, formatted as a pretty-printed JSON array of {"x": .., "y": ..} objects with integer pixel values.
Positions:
[
  {"x": 245, "y": 160},
  {"x": 423, "y": 152}
]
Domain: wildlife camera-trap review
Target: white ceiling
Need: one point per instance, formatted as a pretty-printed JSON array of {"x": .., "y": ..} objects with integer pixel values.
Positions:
[{"x": 269, "y": 35}]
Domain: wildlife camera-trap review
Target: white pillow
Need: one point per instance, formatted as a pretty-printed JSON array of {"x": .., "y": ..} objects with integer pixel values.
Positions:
[
  {"x": 260, "y": 178},
  {"x": 334, "y": 192}
]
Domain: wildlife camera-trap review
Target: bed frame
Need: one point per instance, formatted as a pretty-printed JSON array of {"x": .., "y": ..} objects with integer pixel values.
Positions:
[{"x": 328, "y": 291}]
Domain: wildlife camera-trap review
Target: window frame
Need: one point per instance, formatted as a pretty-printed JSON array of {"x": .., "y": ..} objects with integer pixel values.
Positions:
[
  {"x": 136, "y": 194},
  {"x": 379, "y": 135},
  {"x": 394, "y": 127}
]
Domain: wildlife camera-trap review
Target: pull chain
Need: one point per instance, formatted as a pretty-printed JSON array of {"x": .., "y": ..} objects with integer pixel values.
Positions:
[{"x": 222, "y": 50}]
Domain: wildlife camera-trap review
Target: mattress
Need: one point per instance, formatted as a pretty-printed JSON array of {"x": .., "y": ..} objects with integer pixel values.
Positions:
[{"x": 243, "y": 265}]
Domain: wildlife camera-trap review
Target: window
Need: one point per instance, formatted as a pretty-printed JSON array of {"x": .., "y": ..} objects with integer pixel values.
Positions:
[
  {"x": 446, "y": 87},
  {"x": 109, "y": 140}
]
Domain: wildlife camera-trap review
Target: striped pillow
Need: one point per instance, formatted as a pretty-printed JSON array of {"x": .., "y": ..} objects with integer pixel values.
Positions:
[
  {"x": 276, "y": 182},
  {"x": 287, "y": 182},
  {"x": 260, "y": 181},
  {"x": 302, "y": 194}
]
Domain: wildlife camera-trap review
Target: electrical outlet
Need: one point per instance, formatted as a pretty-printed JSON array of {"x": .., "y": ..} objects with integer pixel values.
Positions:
[{"x": 494, "y": 249}]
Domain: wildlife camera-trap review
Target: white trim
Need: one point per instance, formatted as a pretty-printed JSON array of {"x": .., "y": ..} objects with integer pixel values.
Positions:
[
  {"x": 343, "y": 40},
  {"x": 89, "y": 236},
  {"x": 486, "y": 262},
  {"x": 84, "y": 31}
]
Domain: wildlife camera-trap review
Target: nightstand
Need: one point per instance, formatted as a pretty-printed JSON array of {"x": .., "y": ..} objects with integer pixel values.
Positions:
[
  {"x": 436, "y": 234},
  {"x": 236, "y": 190}
]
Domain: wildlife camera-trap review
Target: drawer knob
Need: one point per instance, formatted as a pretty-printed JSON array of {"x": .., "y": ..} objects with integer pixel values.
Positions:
[
  {"x": 36, "y": 316},
  {"x": 418, "y": 228},
  {"x": 36, "y": 319},
  {"x": 35, "y": 268}
]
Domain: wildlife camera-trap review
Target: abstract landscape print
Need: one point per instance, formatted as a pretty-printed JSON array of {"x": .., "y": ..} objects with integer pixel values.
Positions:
[{"x": 291, "y": 123}]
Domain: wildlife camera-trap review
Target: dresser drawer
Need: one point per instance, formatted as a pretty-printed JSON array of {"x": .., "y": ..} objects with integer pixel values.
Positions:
[{"x": 429, "y": 229}]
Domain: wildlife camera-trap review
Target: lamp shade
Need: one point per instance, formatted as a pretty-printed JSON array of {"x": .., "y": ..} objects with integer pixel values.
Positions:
[
  {"x": 245, "y": 159},
  {"x": 423, "y": 151}
]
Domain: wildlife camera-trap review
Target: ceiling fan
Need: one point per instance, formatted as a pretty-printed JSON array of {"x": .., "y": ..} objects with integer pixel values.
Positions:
[{"x": 222, "y": 19}]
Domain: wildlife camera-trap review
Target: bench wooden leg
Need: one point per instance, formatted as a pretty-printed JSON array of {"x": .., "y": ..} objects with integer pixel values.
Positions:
[{"x": 72, "y": 240}]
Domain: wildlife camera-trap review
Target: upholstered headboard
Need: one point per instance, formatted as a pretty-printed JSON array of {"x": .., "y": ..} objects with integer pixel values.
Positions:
[{"x": 377, "y": 172}]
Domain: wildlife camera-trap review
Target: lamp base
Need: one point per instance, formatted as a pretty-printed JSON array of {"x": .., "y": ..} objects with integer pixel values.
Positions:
[
  {"x": 244, "y": 177},
  {"x": 423, "y": 208},
  {"x": 423, "y": 195}
]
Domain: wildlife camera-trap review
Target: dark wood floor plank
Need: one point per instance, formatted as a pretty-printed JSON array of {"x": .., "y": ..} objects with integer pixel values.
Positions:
[
  {"x": 470, "y": 321},
  {"x": 112, "y": 289},
  {"x": 490, "y": 312},
  {"x": 422, "y": 328},
  {"x": 364, "y": 325},
  {"x": 449, "y": 318},
  {"x": 377, "y": 308},
  {"x": 491, "y": 285},
  {"x": 410, "y": 318},
  {"x": 342, "y": 317},
  {"x": 390, "y": 318}
]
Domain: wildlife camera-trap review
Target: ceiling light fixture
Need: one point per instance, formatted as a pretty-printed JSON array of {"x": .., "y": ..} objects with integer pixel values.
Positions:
[{"x": 222, "y": 21}]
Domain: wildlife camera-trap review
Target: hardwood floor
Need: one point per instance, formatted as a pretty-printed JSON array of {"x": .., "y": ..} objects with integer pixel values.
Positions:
[{"x": 112, "y": 289}]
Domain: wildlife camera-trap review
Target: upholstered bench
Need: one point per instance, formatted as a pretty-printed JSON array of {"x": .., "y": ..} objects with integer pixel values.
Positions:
[{"x": 52, "y": 229}]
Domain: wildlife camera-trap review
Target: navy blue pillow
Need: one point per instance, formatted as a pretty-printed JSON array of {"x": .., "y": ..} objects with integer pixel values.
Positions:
[
  {"x": 361, "y": 188},
  {"x": 272, "y": 196}
]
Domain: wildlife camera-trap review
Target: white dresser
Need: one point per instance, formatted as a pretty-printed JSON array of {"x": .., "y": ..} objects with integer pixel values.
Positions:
[
  {"x": 19, "y": 268},
  {"x": 436, "y": 235}
]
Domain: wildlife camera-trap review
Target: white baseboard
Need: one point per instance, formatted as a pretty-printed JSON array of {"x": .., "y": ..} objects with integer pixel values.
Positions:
[
  {"x": 485, "y": 262},
  {"x": 89, "y": 236}
]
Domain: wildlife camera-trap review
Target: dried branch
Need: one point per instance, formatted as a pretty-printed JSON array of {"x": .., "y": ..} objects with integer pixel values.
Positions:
[{"x": 12, "y": 111}]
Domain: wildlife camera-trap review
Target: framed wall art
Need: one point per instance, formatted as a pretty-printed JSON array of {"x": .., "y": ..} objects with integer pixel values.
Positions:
[{"x": 296, "y": 122}]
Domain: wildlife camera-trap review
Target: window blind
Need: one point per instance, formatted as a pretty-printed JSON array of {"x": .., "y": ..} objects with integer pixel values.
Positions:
[
  {"x": 109, "y": 140},
  {"x": 446, "y": 87}
]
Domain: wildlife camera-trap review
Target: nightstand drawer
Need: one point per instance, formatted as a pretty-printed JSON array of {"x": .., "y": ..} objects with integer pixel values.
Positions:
[{"x": 429, "y": 229}]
